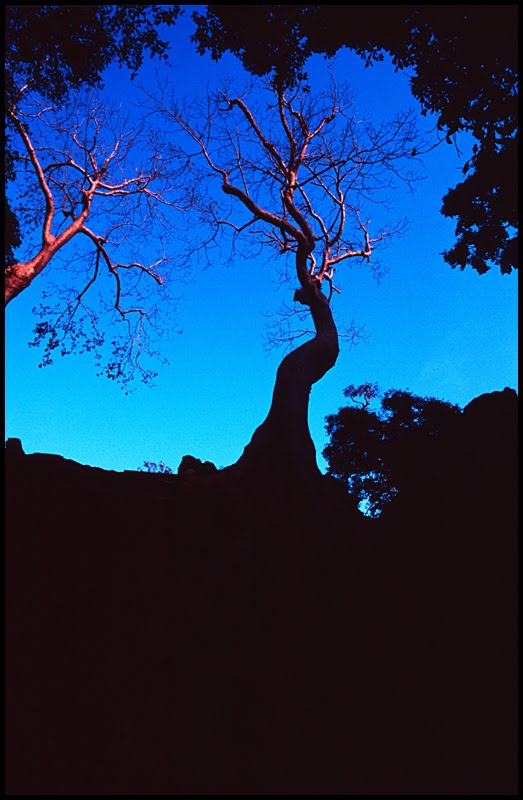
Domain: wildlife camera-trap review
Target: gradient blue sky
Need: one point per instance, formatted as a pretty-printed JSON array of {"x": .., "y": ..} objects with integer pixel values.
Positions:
[{"x": 432, "y": 330}]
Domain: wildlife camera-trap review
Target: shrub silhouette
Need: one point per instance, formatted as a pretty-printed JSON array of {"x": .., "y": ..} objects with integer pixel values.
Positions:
[{"x": 375, "y": 453}]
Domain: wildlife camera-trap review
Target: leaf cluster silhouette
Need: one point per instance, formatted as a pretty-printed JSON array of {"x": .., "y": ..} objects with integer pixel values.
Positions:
[{"x": 375, "y": 453}]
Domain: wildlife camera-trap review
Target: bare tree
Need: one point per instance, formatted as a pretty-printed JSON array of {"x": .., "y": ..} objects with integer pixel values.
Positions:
[
  {"x": 296, "y": 175},
  {"x": 89, "y": 178}
]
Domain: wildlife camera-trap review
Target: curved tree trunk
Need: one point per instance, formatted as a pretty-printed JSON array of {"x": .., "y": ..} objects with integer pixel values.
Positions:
[{"x": 281, "y": 449}]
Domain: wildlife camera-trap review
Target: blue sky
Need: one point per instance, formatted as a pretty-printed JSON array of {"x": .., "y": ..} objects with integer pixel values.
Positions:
[{"x": 430, "y": 329}]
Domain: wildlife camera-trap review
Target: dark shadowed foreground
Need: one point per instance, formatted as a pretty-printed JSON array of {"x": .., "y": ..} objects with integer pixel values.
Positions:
[{"x": 167, "y": 635}]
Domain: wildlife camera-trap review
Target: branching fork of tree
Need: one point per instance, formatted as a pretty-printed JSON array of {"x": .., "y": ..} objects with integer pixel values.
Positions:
[{"x": 99, "y": 178}]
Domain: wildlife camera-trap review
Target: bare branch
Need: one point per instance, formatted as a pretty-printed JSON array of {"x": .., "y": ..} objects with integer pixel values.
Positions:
[
  {"x": 302, "y": 169},
  {"x": 49, "y": 200},
  {"x": 268, "y": 146},
  {"x": 92, "y": 165}
]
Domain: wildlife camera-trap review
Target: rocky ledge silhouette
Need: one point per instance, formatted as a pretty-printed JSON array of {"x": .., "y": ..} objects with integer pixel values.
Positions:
[{"x": 186, "y": 634}]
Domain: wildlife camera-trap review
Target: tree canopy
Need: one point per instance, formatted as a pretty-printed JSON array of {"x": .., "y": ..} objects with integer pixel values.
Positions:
[
  {"x": 57, "y": 49},
  {"x": 462, "y": 62},
  {"x": 295, "y": 168},
  {"x": 89, "y": 182},
  {"x": 376, "y": 452},
  {"x": 296, "y": 165},
  {"x": 54, "y": 50}
]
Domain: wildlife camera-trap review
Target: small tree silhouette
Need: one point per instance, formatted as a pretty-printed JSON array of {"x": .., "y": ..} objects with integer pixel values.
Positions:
[
  {"x": 160, "y": 467},
  {"x": 376, "y": 452}
]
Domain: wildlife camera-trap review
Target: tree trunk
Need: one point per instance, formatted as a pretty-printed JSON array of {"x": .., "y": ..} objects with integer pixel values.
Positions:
[{"x": 281, "y": 450}]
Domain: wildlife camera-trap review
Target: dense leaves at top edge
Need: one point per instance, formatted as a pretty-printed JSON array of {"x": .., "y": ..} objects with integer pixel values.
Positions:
[
  {"x": 55, "y": 50},
  {"x": 463, "y": 67},
  {"x": 60, "y": 48}
]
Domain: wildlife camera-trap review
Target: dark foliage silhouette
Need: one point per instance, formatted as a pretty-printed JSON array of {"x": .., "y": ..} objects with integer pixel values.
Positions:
[
  {"x": 58, "y": 49},
  {"x": 375, "y": 453},
  {"x": 463, "y": 67},
  {"x": 156, "y": 467}
]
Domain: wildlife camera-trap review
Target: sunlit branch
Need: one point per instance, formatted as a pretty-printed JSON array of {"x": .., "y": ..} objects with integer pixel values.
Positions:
[
  {"x": 49, "y": 200},
  {"x": 270, "y": 148},
  {"x": 285, "y": 124}
]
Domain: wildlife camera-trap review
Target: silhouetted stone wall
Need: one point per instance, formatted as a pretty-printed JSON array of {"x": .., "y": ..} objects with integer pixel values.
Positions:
[{"x": 208, "y": 639}]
